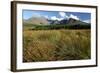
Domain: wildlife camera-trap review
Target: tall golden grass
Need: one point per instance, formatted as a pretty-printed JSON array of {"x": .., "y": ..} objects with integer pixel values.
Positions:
[{"x": 54, "y": 45}]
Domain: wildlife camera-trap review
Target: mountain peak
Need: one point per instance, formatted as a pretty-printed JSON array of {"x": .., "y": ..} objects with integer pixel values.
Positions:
[
  {"x": 73, "y": 21},
  {"x": 37, "y": 20}
]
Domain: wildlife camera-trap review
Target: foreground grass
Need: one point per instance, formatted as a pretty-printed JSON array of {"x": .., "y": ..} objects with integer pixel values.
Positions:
[{"x": 53, "y": 45}]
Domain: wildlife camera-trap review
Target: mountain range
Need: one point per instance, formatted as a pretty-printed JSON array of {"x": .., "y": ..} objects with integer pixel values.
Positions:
[{"x": 44, "y": 21}]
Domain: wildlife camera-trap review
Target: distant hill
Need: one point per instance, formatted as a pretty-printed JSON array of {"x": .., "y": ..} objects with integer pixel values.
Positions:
[{"x": 36, "y": 21}]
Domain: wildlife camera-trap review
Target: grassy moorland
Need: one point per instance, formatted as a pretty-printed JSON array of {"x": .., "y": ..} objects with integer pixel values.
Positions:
[{"x": 54, "y": 45}]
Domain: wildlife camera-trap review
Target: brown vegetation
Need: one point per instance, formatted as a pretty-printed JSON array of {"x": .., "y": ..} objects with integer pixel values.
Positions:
[{"x": 54, "y": 45}]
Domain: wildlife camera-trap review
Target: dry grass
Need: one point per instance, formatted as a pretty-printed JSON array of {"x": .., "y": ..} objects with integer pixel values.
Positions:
[{"x": 53, "y": 45}]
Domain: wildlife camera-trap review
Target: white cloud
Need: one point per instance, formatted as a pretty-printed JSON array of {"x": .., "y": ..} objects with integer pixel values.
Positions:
[
  {"x": 74, "y": 17},
  {"x": 59, "y": 19},
  {"x": 62, "y": 14},
  {"x": 67, "y": 17},
  {"x": 46, "y": 16},
  {"x": 55, "y": 18},
  {"x": 87, "y": 21}
]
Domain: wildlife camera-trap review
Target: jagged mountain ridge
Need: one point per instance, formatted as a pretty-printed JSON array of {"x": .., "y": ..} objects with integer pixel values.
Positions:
[{"x": 44, "y": 21}]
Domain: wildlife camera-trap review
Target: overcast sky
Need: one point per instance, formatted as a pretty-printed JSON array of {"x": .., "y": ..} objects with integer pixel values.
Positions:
[{"x": 57, "y": 15}]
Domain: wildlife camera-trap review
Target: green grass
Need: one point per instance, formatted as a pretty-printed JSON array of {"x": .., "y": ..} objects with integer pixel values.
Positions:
[
  {"x": 54, "y": 45},
  {"x": 56, "y": 26}
]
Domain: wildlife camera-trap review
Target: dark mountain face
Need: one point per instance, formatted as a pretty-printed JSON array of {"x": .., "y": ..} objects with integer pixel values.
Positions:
[
  {"x": 72, "y": 21},
  {"x": 65, "y": 21},
  {"x": 53, "y": 21}
]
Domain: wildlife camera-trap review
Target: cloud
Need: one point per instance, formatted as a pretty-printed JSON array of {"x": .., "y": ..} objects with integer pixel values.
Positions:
[
  {"x": 55, "y": 18},
  {"x": 74, "y": 17},
  {"x": 87, "y": 21},
  {"x": 62, "y": 14},
  {"x": 59, "y": 19},
  {"x": 67, "y": 17},
  {"x": 46, "y": 16}
]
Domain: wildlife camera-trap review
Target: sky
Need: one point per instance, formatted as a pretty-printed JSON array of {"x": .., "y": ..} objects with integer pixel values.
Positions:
[{"x": 57, "y": 15}]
